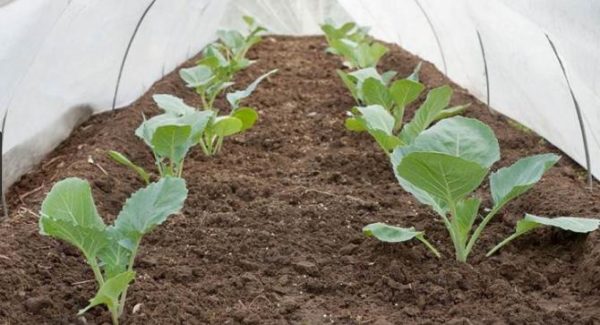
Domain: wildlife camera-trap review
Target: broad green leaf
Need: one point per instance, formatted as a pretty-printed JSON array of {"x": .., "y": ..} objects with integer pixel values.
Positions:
[
  {"x": 227, "y": 125},
  {"x": 422, "y": 196},
  {"x": 172, "y": 104},
  {"x": 388, "y": 76},
  {"x": 109, "y": 293},
  {"x": 196, "y": 76},
  {"x": 171, "y": 141},
  {"x": 150, "y": 206},
  {"x": 235, "y": 97},
  {"x": 232, "y": 39},
  {"x": 69, "y": 213},
  {"x": 71, "y": 200},
  {"x": 510, "y": 182},
  {"x": 247, "y": 115},
  {"x": 452, "y": 111},
  {"x": 376, "y": 93},
  {"x": 197, "y": 122},
  {"x": 466, "y": 213},
  {"x": 530, "y": 222},
  {"x": 467, "y": 138},
  {"x": 574, "y": 224},
  {"x": 405, "y": 91},
  {"x": 89, "y": 240},
  {"x": 367, "y": 55},
  {"x": 355, "y": 124},
  {"x": 443, "y": 176},
  {"x": 379, "y": 123},
  {"x": 114, "y": 256},
  {"x": 436, "y": 100},
  {"x": 377, "y": 118},
  {"x": 390, "y": 234},
  {"x": 121, "y": 159},
  {"x": 366, "y": 73}
]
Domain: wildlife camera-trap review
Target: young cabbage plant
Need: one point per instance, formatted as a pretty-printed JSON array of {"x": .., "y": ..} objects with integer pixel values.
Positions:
[
  {"x": 170, "y": 136},
  {"x": 358, "y": 55},
  {"x": 446, "y": 163},
  {"x": 237, "y": 45},
  {"x": 349, "y": 31},
  {"x": 239, "y": 119},
  {"x": 384, "y": 115},
  {"x": 531, "y": 222},
  {"x": 220, "y": 61},
  {"x": 69, "y": 213},
  {"x": 378, "y": 90}
]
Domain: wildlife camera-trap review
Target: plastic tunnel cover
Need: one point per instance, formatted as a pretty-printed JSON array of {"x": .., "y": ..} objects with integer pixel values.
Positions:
[{"x": 60, "y": 59}]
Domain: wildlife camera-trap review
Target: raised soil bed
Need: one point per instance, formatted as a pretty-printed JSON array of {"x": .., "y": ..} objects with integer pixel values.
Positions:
[{"x": 271, "y": 230}]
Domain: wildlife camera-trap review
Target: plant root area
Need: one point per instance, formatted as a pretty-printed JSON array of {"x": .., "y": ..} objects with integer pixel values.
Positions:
[{"x": 271, "y": 230}]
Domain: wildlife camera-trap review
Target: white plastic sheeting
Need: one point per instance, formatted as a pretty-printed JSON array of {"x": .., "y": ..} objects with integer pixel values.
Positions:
[{"x": 59, "y": 59}]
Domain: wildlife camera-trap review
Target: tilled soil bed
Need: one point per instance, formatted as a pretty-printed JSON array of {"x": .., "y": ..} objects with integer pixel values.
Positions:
[{"x": 271, "y": 230}]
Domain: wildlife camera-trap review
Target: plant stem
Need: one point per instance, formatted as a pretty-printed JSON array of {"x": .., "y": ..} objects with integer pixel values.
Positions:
[
  {"x": 97, "y": 273},
  {"x": 481, "y": 226},
  {"x": 114, "y": 315},
  {"x": 461, "y": 253},
  {"x": 502, "y": 243},
  {"x": 428, "y": 244},
  {"x": 129, "y": 268}
]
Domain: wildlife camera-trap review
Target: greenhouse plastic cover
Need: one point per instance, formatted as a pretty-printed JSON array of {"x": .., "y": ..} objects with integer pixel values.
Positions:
[{"x": 60, "y": 59}]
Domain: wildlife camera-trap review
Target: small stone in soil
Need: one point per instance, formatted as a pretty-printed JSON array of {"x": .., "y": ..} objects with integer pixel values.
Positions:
[{"x": 35, "y": 304}]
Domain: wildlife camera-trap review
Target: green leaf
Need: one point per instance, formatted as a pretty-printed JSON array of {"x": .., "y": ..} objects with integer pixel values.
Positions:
[
  {"x": 388, "y": 76},
  {"x": 452, "y": 111},
  {"x": 377, "y": 118},
  {"x": 510, "y": 182},
  {"x": 172, "y": 104},
  {"x": 443, "y": 176},
  {"x": 69, "y": 213},
  {"x": 467, "y": 138},
  {"x": 392, "y": 234},
  {"x": 355, "y": 124},
  {"x": 121, "y": 159},
  {"x": 379, "y": 123},
  {"x": 227, "y": 125},
  {"x": 422, "y": 196},
  {"x": 150, "y": 206},
  {"x": 197, "y": 76},
  {"x": 109, "y": 293},
  {"x": 436, "y": 100},
  {"x": 114, "y": 256},
  {"x": 375, "y": 93},
  {"x": 530, "y": 222},
  {"x": 466, "y": 213},
  {"x": 171, "y": 141},
  {"x": 414, "y": 76},
  {"x": 247, "y": 115},
  {"x": 405, "y": 91},
  {"x": 235, "y": 97},
  {"x": 368, "y": 55},
  {"x": 574, "y": 224}
]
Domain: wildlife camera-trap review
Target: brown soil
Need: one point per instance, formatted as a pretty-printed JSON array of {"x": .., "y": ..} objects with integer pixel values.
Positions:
[{"x": 271, "y": 231}]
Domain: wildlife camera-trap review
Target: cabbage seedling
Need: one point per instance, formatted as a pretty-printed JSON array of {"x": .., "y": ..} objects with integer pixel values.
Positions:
[
  {"x": 236, "y": 44},
  {"x": 446, "y": 163},
  {"x": 353, "y": 44},
  {"x": 383, "y": 117},
  {"x": 69, "y": 213},
  {"x": 349, "y": 31},
  {"x": 170, "y": 136},
  {"x": 220, "y": 61}
]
